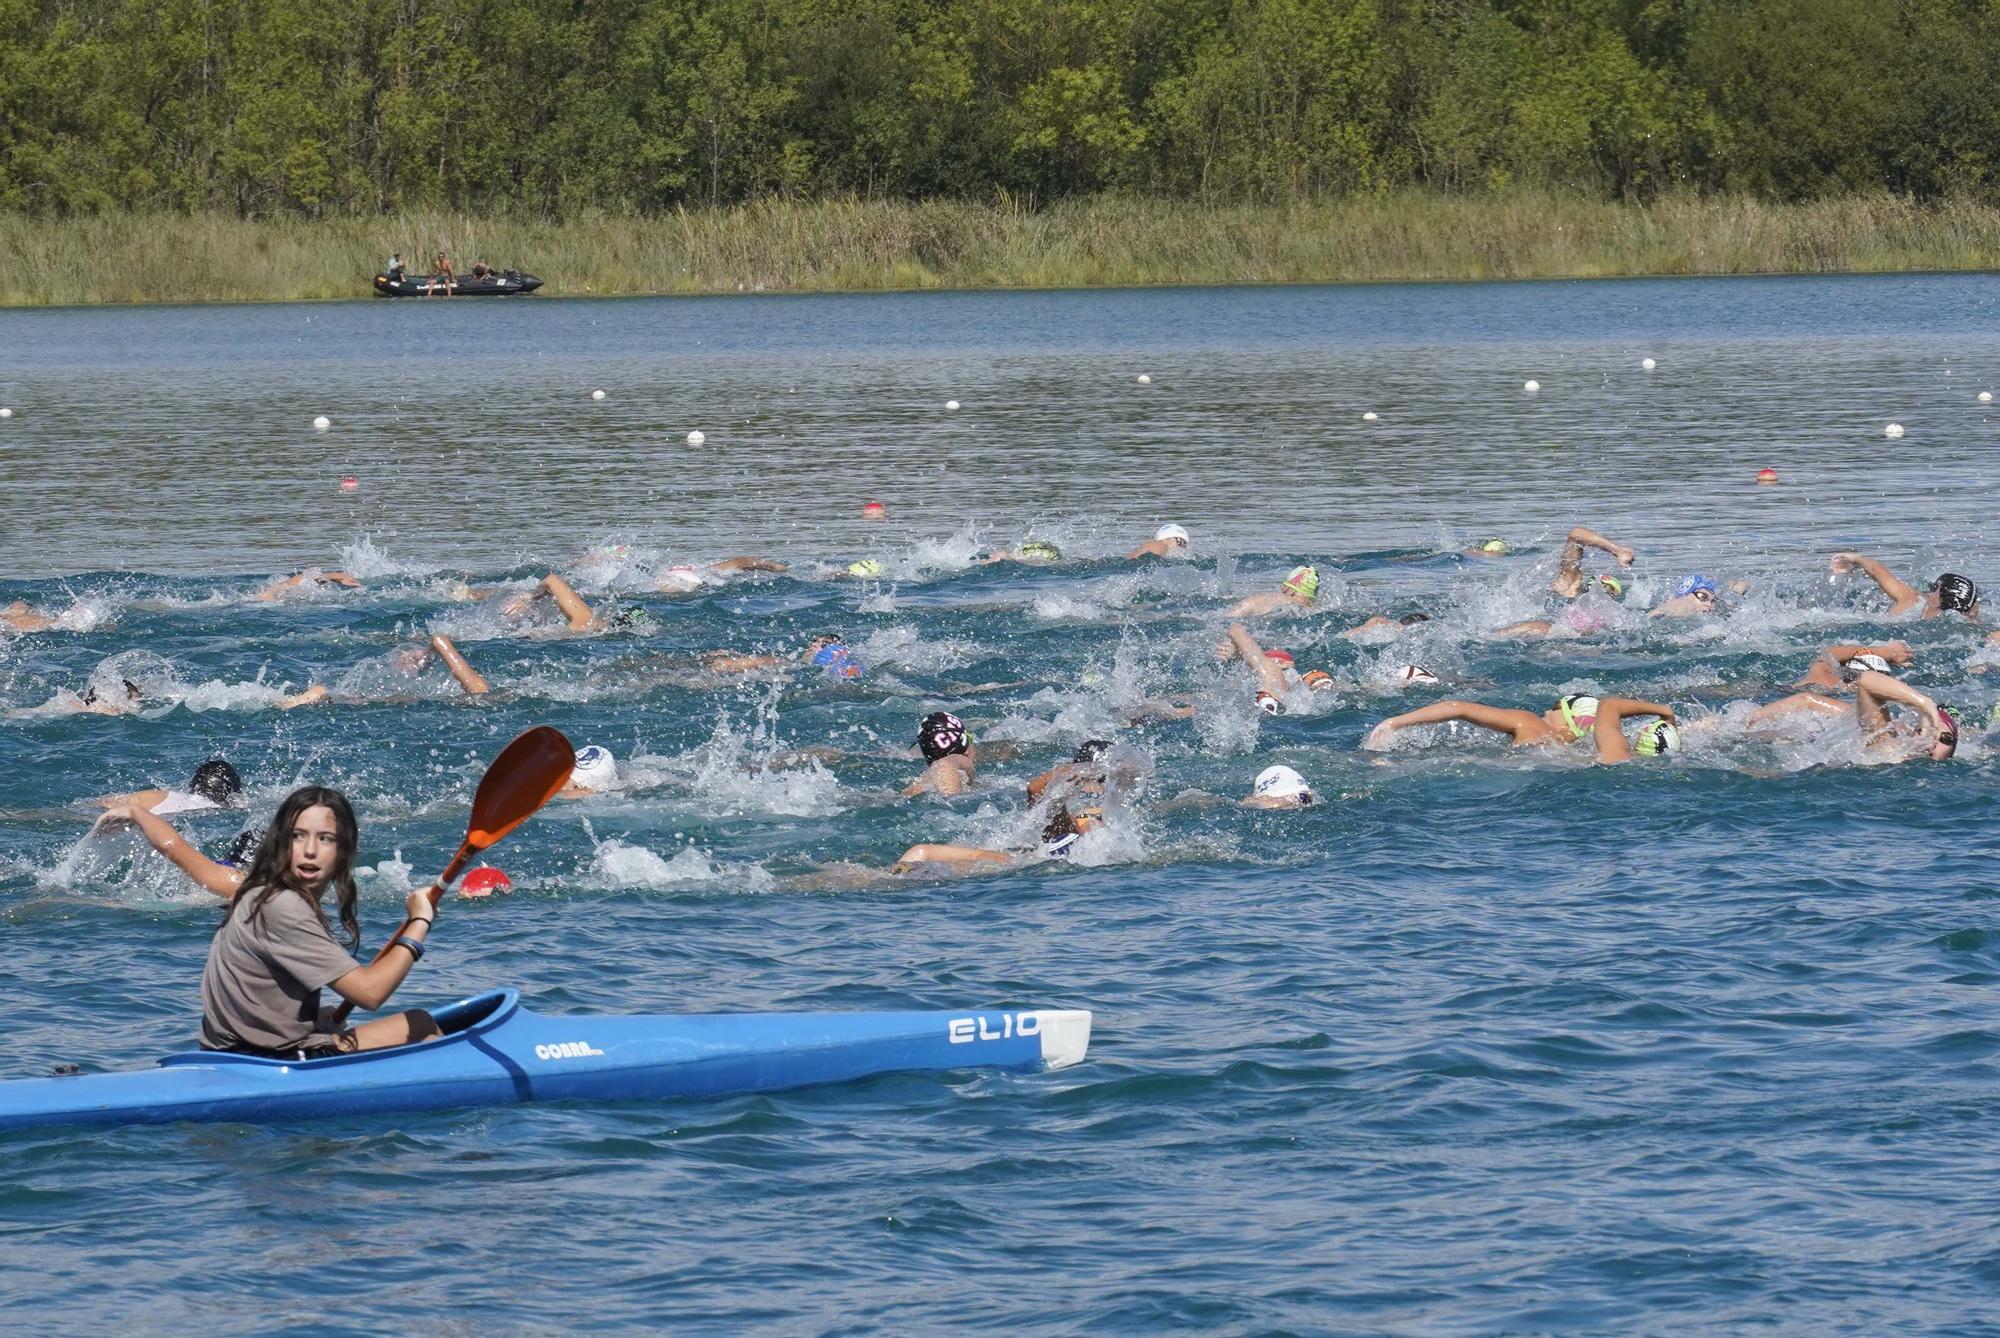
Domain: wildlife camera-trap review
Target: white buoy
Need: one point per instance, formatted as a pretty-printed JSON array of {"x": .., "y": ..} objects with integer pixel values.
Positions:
[
  {"x": 9, "y": 413},
  {"x": 1145, "y": 380},
  {"x": 1985, "y": 397},
  {"x": 1893, "y": 430},
  {"x": 696, "y": 438},
  {"x": 322, "y": 423},
  {"x": 597, "y": 394},
  {"x": 1531, "y": 386},
  {"x": 1648, "y": 364},
  {"x": 952, "y": 405},
  {"x": 1368, "y": 417}
]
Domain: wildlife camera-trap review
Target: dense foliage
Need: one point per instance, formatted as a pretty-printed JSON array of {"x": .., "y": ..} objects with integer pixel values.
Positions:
[{"x": 266, "y": 107}]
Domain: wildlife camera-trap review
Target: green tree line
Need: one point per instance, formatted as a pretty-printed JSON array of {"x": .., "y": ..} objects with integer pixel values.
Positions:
[{"x": 554, "y": 107}]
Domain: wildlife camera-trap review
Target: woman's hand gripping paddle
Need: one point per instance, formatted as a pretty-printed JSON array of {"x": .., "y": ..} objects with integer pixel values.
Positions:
[{"x": 525, "y": 776}]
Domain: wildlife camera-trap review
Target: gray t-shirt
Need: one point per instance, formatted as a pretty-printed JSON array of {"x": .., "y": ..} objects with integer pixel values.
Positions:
[{"x": 261, "y": 986}]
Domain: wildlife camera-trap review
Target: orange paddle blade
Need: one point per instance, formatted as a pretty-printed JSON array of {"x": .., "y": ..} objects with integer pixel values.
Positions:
[{"x": 525, "y": 776}]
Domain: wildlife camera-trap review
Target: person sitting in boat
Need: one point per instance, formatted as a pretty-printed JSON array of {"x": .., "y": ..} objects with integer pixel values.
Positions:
[
  {"x": 480, "y": 271},
  {"x": 395, "y": 270},
  {"x": 443, "y": 276},
  {"x": 275, "y": 952}
]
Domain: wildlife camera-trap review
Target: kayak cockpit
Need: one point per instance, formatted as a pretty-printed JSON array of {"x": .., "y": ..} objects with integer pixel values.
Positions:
[{"x": 471, "y": 1016}]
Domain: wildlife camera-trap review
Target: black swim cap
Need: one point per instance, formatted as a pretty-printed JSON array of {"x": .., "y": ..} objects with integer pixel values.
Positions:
[
  {"x": 1090, "y": 750},
  {"x": 1409, "y": 618},
  {"x": 940, "y": 735},
  {"x": 216, "y": 780},
  {"x": 242, "y": 848},
  {"x": 1955, "y": 593},
  {"x": 631, "y": 616}
]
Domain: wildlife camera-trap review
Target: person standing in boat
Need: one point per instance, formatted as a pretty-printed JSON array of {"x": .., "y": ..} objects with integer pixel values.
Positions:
[{"x": 275, "y": 952}]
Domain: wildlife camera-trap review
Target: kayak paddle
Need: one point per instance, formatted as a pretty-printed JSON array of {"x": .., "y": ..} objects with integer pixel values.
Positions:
[{"x": 525, "y": 776}]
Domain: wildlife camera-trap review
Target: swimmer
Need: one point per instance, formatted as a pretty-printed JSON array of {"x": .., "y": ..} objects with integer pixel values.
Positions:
[
  {"x": 24, "y": 619},
  {"x": 1933, "y": 734},
  {"x": 279, "y": 589},
  {"x": 682, "y": 579},
  {"x": 579, "y": 615},
  {"x": 828, "y": 652},
  {"x": 1299, "y": 592},
  {"x": 468, "y": 678},
  {"x": 863, "y": 569},
  {"x": 1949, "y": 593},
  {"x": 222, "y": 877},
  {"x": 595, "y": 771},
  {"x": 1271, "y": 668},
  {"x": 1490, "y": 548},
  {"x": 1169, "y": 541},
  {"x": 128, "y": 701},
  {"x": 948, "y": 754},
  {"x": 1083, "y": 773},
  {"x": 1035, "y": 550},
  {"x": 1382, "y": 627},
  {"x": 1574, "y": 717},
  {"x": 1059, "y": 837},
  {"x": 1279, "y": 787},
  {"x": 1694, "y": 596},
  {"x": 1836, "y": 667},
  {"x": 215, "y": 784},
  {"x": 1569, "y": 580}
]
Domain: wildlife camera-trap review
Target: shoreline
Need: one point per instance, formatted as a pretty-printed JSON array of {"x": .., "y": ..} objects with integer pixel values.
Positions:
[{"x": 1101, "y": 242}]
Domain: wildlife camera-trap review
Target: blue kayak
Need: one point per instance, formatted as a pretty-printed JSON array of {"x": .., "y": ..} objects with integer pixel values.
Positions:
[{"x": 495, "y": 1051}]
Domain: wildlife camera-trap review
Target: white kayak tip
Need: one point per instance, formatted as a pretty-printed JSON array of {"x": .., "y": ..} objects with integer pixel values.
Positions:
[
  {"x": 1144, "y": 379},
  {"x": 1893, "y": 431},
  {"x": 1370, "y": 417},
  {"x": 1065, "y": 1035},
  {"x": 322, "y": 423},
  {"x": 951, "y": 405},
  {"x": 697, "y": 437},
  {"x": 1647, "y": 364},
  {"x": 597, "y": 394},
  {"x": 1531, "y": 386}
]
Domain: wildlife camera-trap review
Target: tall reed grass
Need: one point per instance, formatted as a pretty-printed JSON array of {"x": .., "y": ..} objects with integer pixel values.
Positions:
[{"x": 856, "y": 245}]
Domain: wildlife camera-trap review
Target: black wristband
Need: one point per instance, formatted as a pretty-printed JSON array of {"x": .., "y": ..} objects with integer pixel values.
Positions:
[{"x": 416, "y": 948}]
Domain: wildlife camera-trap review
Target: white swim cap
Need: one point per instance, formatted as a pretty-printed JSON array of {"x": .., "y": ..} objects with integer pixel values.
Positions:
[
  {"x": 1867, "y": 661},
  {"x": 1172, "y": 532},
  {"x": 595, "y": 768},
  {"x": 1416, "y": 673},
  {"x": 1281, "y": 782},
  {"x": 681, "y": 579}
]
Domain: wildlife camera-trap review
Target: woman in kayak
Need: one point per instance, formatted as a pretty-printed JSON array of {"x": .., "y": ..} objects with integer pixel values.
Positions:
[{"x": 275, "y": 952}]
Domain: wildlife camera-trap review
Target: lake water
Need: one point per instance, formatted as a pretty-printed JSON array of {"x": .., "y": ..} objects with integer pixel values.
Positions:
[{"x": 1486, "y": 1040}]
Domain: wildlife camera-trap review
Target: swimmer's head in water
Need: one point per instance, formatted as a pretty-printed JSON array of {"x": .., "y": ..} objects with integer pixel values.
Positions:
[
  {"x": 1172, "y": 534},
  {"x": 242, "y": 848},
  {"x": 1496, "y": 548},
  {"x": 1092, "y": 750},
  {"x": 216, "y": 781},
  {"x": 1281, "y": 782},
  {"x": 595, "y": 769},
  {"x": 866, "y": 567},
  {"x": 1416, "y": 673},
  {"x": 1659, "y": 736},
  {"x": 1318, "y": 680},
  {"x": 940, "y": 735},
  {"x": 630, "y": 618},
  {"x": 1579, "y": 713},
  {"x": 1863, "y": 663},
  {"x": 1611, "y": 586},
  {"x": 1697, "y": 584},
  {"x": 681, "y": 579},
  {"x": 1041, "y": 550},
  {"x": 1947, "y": 739},
  {"x": 836, "y": 661},
  {"x": 1269, "y": 705},
  {"x": 1279, "y": 657},
  {"x": 1956, "y": 594},
  {"x": 1060, "y": 833},
  {"x": 1412, "y": 619},
  {"x": 1303, "y": 583},
  {"x": 133, "y": 692}
]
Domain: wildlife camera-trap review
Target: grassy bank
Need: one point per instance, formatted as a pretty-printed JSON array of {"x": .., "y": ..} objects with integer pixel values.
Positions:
[{"x": 846, "y": 245}]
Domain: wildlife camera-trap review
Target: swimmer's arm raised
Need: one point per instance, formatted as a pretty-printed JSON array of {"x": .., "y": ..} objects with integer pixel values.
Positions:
[
  {"x": 1903, "y": 594},
  {"x": 1522, "y": 725},
  {"x": 1610, "y": 739},
  {"x": 581, "y": 619},
  {"x": 468, "y": 677},
  {"x": 1872, "y": 693},
  {"x": 209, "y": 875},
  {"x": 1270, "y": 678}
]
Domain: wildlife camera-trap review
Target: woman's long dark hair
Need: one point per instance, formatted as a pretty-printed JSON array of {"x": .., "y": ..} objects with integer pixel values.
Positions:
[{"x": 270, "y": 869}]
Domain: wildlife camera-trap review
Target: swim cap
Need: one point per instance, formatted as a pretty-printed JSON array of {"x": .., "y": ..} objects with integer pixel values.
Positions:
[
  {"x": 1303, "y": 582},
  {"x": 1857, "y": 663},
  {"x": 1955, "y": 593},
  {"x": 1319, "y": 680},
  {"x": 1283, "y": 657},
  {"x": 681, "y": 579},
  {"x": 1696, "y": 583},
  {"x": 1579, "y": 713},
  {"x": 866, "y": 567},
  {"x": 940, "y": 735},
  {"x": 1091, "y": 750},
  {"x": 1412, "y": 619},
  {"x": 1416, "y": 673},
  {"x": 484, "y": 881},
  {"x": 216, "y": 780},
  {"x": 1269, "y": 705},
  {"x": 1041, "y": 548},
  {"x": 836, "y": 661},
  {"x": 243, "y": 849},
  {"x": 632, "y": 615},
  {"x": 1948, "y": 734},
  {"x": 1497, "y": 547},
  {"x": 1611, "y": 586},
  {"x": 1172, "y": 532},
  {"x": 1658, "y": 737},
  {"x": 1060, "y": 833},
  {"x": 1281, "y": 782},
  {"x": 595, "y": 768}
]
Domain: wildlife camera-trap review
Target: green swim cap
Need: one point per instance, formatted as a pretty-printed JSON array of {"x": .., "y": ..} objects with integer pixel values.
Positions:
[
  {"x": 1611, "y": 586},
  {"x": 1658, "y": 737},
  {"x": 866, "y": 567},
  {"x": 1303, "y": 582},
  {"x": 1041, "y": 548},
  {"x": 1497, "y": 547},
  {"x": 1579, "y": 713}
]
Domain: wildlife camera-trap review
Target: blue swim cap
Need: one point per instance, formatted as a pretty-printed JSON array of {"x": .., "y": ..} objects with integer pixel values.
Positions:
[
  {"x": 836, "y": 661},
  {"x": 1694, "y": 583}
]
